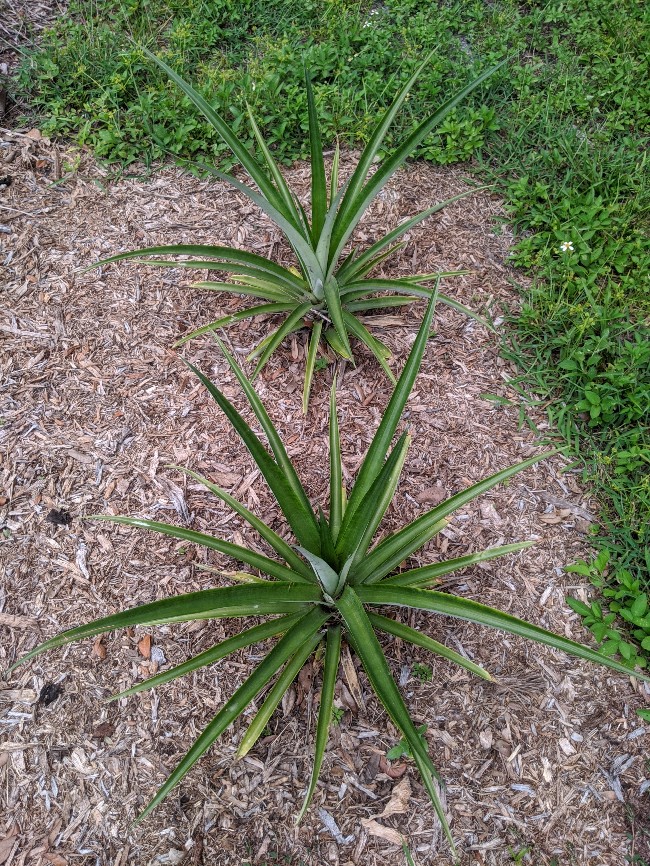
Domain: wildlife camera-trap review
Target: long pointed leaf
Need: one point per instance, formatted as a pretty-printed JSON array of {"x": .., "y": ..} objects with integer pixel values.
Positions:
[
  {"x": 237, "y": 147},
  {"x": 357, "y": 200},
  {"x": 269, "y": 566},
  {"x": 262, "y": 674},
  {"x": 327, "y": 577},
  {"x": 333, "y": 300},
  {"x": 276, "y": 174},
  {"x": 360, "y": 266},
  {"x": 376, "y": 454},
  {"x": 379, "y": 303},
  {"x": 291, "y": 323},
  {"x": 336, "y": 477},
  {"x": 472, "y": 611},
  {"x": 228, "y": 254},
  {"x": 366, "y": 160},
  {"x": 376, "y": 667},
  {"x": 280, "y": 476},
  {"x": 387, "y": 555},
  {"x": 256, "y": 634},
  {"x": 280, "y": 686},
  {"x": 318, "y": 184},
  {"x": 229, "y": 601},
  {"x": 330, "y": 671},
  {"x": 334, "y": 179},
  {"x": 314, "y": 341},
  {"x": 428, "y": 575},
  {"x": 378, "y": 349},
  {"x": 241, "y": 316},
  {"x": 301, "y": 247},
  {"x": 272, "y": 538},
  {"x": 358, "y": 528},
  {"x": 411, "y": 635}
]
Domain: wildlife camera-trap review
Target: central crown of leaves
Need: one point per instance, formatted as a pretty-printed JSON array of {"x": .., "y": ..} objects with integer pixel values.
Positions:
[{"x": 329, "y": 287}]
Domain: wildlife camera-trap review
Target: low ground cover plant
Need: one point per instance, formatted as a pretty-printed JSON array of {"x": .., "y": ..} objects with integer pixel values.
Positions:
[
  {"x": 329, "y": 586},
  {"x": 331, "y": 285}
]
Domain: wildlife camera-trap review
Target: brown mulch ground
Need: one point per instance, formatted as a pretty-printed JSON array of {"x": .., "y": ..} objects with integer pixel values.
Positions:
[{"x": 95, "y": 404}]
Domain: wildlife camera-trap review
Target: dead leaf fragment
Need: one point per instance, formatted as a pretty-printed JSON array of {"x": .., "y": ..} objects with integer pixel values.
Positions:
[
  {"x": 144, "y": 646},
  {"x": 99, "y": 650},
  {"x": 399, "y": 799},
  {"x": 394, "y": 771},
  {"x": 374, "y": 828},
  {"x": 55, "y": 859}
]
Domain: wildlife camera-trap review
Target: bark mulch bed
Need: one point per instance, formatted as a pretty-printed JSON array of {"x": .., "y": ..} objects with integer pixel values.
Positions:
[{"x": 95, "y": 404}]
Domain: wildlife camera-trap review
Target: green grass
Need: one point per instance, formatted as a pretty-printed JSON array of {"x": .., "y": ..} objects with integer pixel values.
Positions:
[{"x": 563, "y": 130}]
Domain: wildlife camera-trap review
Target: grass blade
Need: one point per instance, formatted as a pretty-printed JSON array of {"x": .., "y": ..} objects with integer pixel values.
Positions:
[
  {"x": 376, "y": 454},
  {"x": 411, "y": 635},
  {"x": 280, "y": 686},
  {"x": 314, "y": 341},
  {"x": 256, "y": 634},
  {"x": 472, "y": 611},
  {"x": 262, "y": 674},
  {"x": 229, "y": 601},
  {"x": 330, "y": 671},
  {"x": 428, "y": 575}
]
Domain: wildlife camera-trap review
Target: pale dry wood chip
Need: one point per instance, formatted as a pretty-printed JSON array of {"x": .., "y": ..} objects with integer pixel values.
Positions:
[
  {"x": 80, "y": 560},
  {"x": 376, "y": 829},
  {"x": 14, "y": 621},
  {"x": 7, "y": 848},
  {"x": 20, "y": 696},
  {"x": 55, "y": 859},
  {"x": 489, "y": 513}
]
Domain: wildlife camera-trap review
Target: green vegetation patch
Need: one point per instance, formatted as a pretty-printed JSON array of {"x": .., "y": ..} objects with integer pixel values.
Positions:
[{"x": 562, "y": 128}]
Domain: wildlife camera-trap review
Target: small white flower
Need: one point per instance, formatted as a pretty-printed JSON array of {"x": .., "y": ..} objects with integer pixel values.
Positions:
[{"x": 566, "y": 247}]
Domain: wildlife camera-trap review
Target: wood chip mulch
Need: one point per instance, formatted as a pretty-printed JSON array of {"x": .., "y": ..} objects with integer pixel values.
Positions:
[{"x": 95, "y": 405}]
